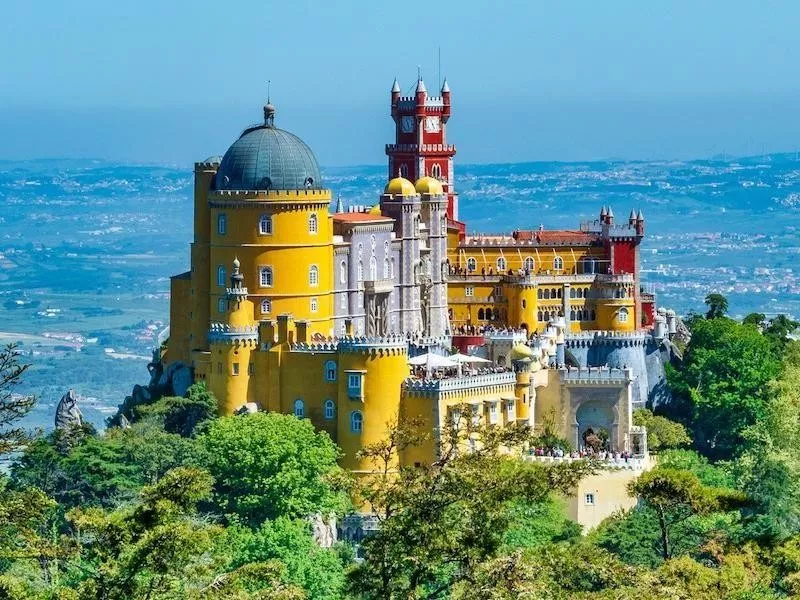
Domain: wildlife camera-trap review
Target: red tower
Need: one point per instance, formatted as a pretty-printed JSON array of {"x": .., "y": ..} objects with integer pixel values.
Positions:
[{"x": 421, "y": 146}]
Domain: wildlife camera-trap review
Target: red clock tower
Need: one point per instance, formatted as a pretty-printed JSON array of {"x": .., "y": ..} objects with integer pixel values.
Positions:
[{"x": 421, "y": 146}]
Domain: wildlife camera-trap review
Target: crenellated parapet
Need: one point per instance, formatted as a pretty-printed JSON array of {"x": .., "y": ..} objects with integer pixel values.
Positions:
[
  {"x": 621, "y": 339},
  {"x": 314, "y": 347},
  {"x": 596, "y": 376},
  {"x": 391, "y": 344},
  {"x": 222, "y": 333}
]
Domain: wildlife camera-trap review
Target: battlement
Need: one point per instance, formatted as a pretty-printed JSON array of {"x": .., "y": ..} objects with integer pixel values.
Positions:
[
  {"x": 314, "y": 347},
  {"x": 596, "y": 375},
  {"x": 231, "y": 334},
  {"x": 363, "y": 344},
  {"x": 425, "y": 148},
  {"x": 616, "y": 338},
  {"x": 456, "y": 384},
  {"x": 270, "y": 194}
]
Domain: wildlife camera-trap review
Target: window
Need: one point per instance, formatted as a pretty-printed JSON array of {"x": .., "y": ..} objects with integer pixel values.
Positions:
[
  {"x": 588, "y": 499},
  {"x": 480, "y": 314},
  {"x": 265, "y": 225},
  {"x": 501, "y": 265},
  {"x": 221, "y": 305},
  {"x": 489, "y": 314},
  {"x": 524, "y": 303},
  {"x": 344, "y": 301},
  {"x": 266, "y": 306},
  {"x": 469, "y": 291},
  {"x": 330, "y": 371},
  {"x": 343, "y": 272},
  {"x": 222, "y": 224},
  {"x": 391, "y": 269},
  {"x": 330, "y": 409},
  {"x": 299, "y": 408},
  {"x": 539, "y": 316},
  {"x": 436, "y": 171},
  {"x": 360, "y": 274},
  {"x": 235, "y": 368},
  {"x": 588, "y": 265},
  {"x": 251, "y": 369},
  {"x": 493, "y": 413},
  {"x": 558, "y": 263},
  {"x": 265, "y": 276},
  {"x": 622, "y": 315},
  {"x": 539, "y": 293},
  {"x": 314, "y": 305},
  {"x": 403, "y": 170},
  {"x": 221, "y": 276},
  {"x": 354, "y": 385},
  {"x": 386, "y": 268},
  {"x": 547, "y": 294},
  {"x": 356, "y": 422},
  {"x": 373, "y": 268},
  {"x": 511, "y": 409},
  {"x": 313, "y": 276},
  {"x": 472, "y": 265},
  {"x": 313, "y": 224},
  {"x": 416, "y": 226},
  {"x": 476, "y": 415},
  {"x": 528, "y": 264},
  {"x": 572, "y": 315}
]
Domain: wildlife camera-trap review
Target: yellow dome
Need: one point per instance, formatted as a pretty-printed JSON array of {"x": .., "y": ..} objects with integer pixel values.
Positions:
[
  {"x": 400, "y": 186},
  {"x": 429, "y": 185},
  {"x": 376, "y": 210},
  {"x": 520, "y": 351}
]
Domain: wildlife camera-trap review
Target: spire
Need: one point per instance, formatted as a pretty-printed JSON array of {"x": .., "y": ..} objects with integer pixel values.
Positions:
[
  {"x": 632, "y": 216},
  {"x": 421, "y": 85},
  {"x": 610, "y": 213},
  {"x": 237, "y": 292},
  {"x": 395, "y": 87},
  {"x": 603, "y": 212},
  {"x": 339, "y": 203},
  {"x": 640, "y": 216},
  {"x": 445, "y": 87},
  {"x": 269, "y": 114}
]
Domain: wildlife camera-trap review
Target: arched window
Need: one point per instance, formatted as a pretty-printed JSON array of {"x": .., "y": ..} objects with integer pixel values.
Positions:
[
  {"x": 373, "y": 268},
  {"x": 622, "y": 315},
  {"x": 588, "y": 265},
  {"x": 572, "y": 292},
  {"x": 553, "y": 315},
  {"x": 265, "y": 276},
  {"x": 313, "y": 276},
  {"x": 547, "y": 293},
  {"x": 472, "y": 264},
  {"x": 403, "y": 170},
  {"x": 436, "y": 171},
  {"x": 265, "y": 225},
  {"x": 501, "y": 264},
  {"x": 221, "y": 305},
  {"x": 557, "y": 292},
  {"x": 572, "y": 315},
  {"x": 539, "y": 316},
  {"x": 360, "y": 270},
  {"x": 221, "y": 276},
  {"x": 558, "y": 263},
  {"x": 356, "y": 422},
  {"x": 524, "y": 303},
  {"x": 528, "y": 264},
  {"x": 222, "y": 224},
  {"x": 266, "y": 306},
  {"x": 330, "y": 409},
  {"x": 578, "y": 315},
  {"x": 585, "y": 315},
  {"x": 299, "y": 409},
  {"x": 489, "y": 314},
  {"x": 313, "y": 224},
  {"x": 314, "y": 305},
  {"x": 386, "y": 268},
  {"x": 592, "y": 315},
  {"x": 539, "y": 294},
  {"x": 343, "y": 272},
  {"x": 416, "y": 226},
  {"x": 481, "y": 315},
  {"x": 330, "y": 371}
]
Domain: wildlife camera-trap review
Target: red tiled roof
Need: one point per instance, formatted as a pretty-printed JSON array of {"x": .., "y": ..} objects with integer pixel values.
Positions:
[{"x": 356, "y": 217}]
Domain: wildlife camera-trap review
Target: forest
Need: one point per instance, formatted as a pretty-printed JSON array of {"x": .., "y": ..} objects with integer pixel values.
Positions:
[{"x": 183, "y": 504}]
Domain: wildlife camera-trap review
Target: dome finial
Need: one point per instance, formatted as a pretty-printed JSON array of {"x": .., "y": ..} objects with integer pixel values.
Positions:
[{"x": 269, "y": 109}]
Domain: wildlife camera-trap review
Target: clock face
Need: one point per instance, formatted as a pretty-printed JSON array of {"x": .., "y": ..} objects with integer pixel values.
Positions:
[
  {"x": 407, "y": 124},
  {"x": 432, "y": 124}
]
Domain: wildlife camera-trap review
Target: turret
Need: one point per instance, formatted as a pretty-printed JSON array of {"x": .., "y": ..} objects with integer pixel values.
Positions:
[
  {"x": 395, "y": 92},
  {"x": 632, "y": 218},
  {"x": 445, "y": 100},
  {"x": 421, "y": 94},
  {"x": 603, "y": 213},
  {"x": 640, "y": 223},
  {"x": 610, "y": 216}
]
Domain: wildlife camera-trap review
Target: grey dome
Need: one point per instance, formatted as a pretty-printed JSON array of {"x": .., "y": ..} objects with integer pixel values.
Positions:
[{"x": 268, "y": 158}]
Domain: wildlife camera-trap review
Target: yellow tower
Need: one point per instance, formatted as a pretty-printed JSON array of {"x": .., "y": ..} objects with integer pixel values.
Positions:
[{"x": 233, "y": 342}]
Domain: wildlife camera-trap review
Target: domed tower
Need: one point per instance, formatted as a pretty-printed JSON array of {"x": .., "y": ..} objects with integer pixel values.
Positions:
[{"x": 268, "y": 207}]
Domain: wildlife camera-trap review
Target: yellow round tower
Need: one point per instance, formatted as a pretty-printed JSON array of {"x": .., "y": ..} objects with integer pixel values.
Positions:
[
  {"x": 269, "y": 209},
  {"x": 233, "y": 341},
  {"x": 616, "y": 310}
]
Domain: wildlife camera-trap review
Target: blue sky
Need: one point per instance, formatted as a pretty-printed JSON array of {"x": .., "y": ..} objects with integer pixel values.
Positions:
[{"x": 174, "y": 82}]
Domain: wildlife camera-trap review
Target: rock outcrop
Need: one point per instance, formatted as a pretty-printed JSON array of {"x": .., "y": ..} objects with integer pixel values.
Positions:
[{"x": 68, "y": 414}]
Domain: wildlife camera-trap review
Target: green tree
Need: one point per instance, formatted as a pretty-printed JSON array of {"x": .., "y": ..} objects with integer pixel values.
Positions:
[
  {"x": 183, "y": 415},
  {"x": 662, "y": 433},
  {"x": 675, "y": 496},
  {"x": 717, "y": 306},
  {"x": 531, "y": 525},
  {"x": 779, "y": 328},
  {"x": 723, "y": 379},
  {"x": 268, "y": 465},
  {"x": 439, "y": 522},
  {"x": 13, "y": 406},
  {"x": 758, "y": 320},
  {"x": 319, "y": 572}
]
